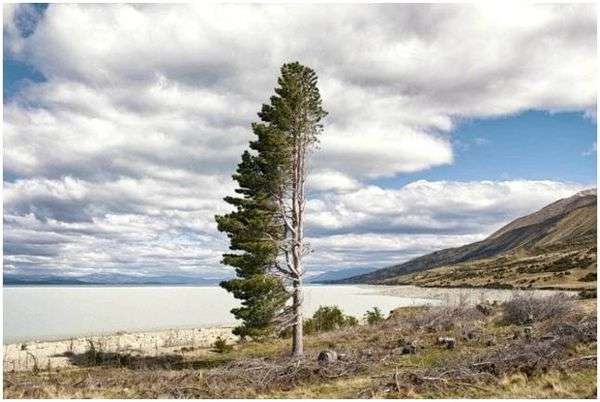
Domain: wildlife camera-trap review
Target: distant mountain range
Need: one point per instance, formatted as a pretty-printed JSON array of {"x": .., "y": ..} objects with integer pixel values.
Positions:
[
  {"x": 121, "y": 279},
  {"x": 112, "y": 279},
  {"x": 339, "y": 274},
  {"x": 553, "y": 247}
]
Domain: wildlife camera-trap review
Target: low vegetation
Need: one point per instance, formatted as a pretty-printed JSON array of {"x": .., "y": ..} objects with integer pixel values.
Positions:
[
  {"x": 373, "y": 316},
  {"x": 567, "y": 266},
  {"x": 326, "y": 318},
  {"x": 527, "y": 347},
  {"x": 526, "y": 309},
  {"x": 221, "y": 346}
]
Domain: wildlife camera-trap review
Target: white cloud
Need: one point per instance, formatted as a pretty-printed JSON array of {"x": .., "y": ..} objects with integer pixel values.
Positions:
[
  {"x": 373, "y": 226},
  {"x": 331, "y": 180},
  {"x": 146, "y": 109},
  {"x": 433, "y": 207}
]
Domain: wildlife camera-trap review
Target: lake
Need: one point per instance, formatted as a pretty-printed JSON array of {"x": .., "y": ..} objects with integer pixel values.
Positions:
[{"x": 60, "y": 312}]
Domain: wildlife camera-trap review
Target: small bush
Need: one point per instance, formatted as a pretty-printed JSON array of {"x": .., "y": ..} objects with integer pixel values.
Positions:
[
  {"x": 373, "y": 316},
  {"x": 326, "y": 318},
  {"x": 587, "y": 294},
  {"x": 350, "y": 321},
  {"x": 527, "y": 309},
  {"x": 329, "y": 318},
  {"x": 447, "y": 317},
  {"x": 221, "y": 346},
  {"x": 590, "y": 277}
]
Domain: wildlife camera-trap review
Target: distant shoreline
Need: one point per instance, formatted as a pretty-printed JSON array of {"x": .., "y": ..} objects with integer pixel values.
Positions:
[
  {"x": 19, "y": 285},
  {"x": 190, "y": 285}
]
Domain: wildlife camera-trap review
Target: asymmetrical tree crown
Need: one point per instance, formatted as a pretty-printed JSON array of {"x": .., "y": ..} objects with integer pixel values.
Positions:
[{"x": 296, "y": 108}]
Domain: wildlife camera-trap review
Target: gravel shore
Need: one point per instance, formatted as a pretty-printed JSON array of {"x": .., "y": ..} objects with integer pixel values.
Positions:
[{"x": 57, "y": 354}]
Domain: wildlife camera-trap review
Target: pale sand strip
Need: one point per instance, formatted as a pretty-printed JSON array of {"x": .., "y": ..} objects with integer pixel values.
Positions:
[{"x": 154, "y": 343}]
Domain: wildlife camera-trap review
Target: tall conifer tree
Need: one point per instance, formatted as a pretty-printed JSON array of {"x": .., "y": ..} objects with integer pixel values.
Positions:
[{"x": 268, "y": 225}]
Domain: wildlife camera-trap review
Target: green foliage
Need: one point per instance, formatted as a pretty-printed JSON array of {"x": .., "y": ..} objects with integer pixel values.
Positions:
[
  {"x": 350, "y": 321},
  {"x": 254, "y": 230},
  {"x": 373, "y": 316},
  {"x": 296, "y": 108},
  {"x": 262, "y": 295},
  {"x": 221, "y": 346},
  {"x": 326, "y": 318}
]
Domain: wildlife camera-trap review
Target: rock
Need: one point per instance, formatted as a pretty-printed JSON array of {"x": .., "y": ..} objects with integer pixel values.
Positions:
[
  {"x": 327, "y": 356},
  {"x": 342, "y": 356},
  {"x": 408, "y": 349},
  {"x": 485, "y": 309},
  {"x": 450, "y": 343}
]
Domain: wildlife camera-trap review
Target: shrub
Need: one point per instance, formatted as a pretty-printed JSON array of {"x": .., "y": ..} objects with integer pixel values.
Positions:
[
  {"x": 526, "y": 309},
  {"x": 590, "y": 277},
  {"x": 221, "y": 345},
  {"x": 326, "y": 318},
  {"x": 350, "y": 321},
  {"x": 373, "y": 316},
  {"x": 587, "y": 294},
  {"x": 446, "y": 317}
]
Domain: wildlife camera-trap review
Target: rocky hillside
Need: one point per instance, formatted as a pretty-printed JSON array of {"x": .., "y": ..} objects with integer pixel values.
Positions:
[{"x": 552, "y": 241}]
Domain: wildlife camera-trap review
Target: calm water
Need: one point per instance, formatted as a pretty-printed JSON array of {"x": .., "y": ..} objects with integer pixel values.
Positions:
[{"x": 58, "y": 312}]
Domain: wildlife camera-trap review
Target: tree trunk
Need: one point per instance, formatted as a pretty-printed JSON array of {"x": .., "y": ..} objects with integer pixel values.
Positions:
[
  {"x": 297, "y": 340},
  {"x": 297, "y": 244}
]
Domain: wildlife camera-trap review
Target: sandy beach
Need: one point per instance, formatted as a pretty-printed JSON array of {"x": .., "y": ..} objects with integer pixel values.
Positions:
[{"x": 61, "y": 353}]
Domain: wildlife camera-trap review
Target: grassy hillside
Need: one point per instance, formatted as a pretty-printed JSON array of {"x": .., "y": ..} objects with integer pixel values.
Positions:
[
  {"x": 525, "y": 348},
  {"x": 553, "y": 269},
  {"x": 553, "y": 247}
]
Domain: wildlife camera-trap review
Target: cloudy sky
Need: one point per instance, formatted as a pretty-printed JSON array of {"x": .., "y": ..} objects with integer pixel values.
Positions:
[{"x": 124, "y": 123}]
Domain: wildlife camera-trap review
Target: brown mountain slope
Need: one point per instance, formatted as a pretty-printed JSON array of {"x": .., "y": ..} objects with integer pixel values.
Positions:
[
  {"x": 558, "y": 208},
  {"x": 564, "y": 230}
]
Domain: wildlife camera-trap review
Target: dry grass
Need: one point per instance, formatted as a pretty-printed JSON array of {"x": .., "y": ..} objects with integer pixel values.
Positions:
[{"x": 557, "y": 359}]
